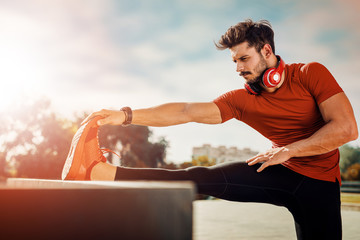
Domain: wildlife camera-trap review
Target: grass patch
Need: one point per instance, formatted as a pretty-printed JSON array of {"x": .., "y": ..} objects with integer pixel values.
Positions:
[{"x": 350, "y": 198}]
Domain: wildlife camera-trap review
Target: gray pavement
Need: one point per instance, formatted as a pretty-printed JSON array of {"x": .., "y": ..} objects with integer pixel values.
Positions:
[{"x": 219, "y": 219}]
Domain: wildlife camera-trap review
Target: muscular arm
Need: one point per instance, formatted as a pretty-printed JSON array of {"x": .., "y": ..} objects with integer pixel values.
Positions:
[
  {"x": 339, "y": 129},
  {"x": 177, "y": 113},
  {"x": 164, "y": 115}
]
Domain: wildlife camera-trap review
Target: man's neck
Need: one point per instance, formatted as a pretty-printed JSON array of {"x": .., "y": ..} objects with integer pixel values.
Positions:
[{"x": 274, "y": 63}]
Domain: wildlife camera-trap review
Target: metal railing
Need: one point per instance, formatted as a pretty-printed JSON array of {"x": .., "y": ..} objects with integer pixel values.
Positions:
[{"x": 350, "y": 186}]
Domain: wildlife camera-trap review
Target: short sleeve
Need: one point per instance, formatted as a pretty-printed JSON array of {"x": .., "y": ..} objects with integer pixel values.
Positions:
[
  {"x": 231, "y": 104},
  {"x": 317, "y": 79}
]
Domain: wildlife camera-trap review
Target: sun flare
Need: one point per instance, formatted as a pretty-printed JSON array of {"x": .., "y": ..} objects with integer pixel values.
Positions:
[{"x": 23, "y": 72}]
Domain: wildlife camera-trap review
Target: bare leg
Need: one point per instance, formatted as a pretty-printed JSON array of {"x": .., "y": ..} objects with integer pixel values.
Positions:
[{"x": 103, "y": 172}]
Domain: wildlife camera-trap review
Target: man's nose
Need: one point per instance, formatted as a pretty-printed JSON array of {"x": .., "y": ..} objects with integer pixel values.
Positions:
[{"x": 239, "y": 67}]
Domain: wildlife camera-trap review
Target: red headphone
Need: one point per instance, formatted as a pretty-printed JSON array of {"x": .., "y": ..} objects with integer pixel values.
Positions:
[{"x": 270, "y": 78}]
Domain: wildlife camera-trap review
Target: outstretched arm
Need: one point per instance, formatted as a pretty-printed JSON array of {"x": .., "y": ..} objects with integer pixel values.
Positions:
[
  {"x": 164, "y": 115},
  {"x": 339, "y": 129}
]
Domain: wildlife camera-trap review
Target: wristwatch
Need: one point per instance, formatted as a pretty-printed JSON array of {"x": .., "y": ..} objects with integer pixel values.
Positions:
[{"x": 128, "y": 116}]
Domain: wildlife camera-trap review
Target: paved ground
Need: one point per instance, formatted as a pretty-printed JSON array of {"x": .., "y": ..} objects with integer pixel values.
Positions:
[{"x": 218, "y": 219}]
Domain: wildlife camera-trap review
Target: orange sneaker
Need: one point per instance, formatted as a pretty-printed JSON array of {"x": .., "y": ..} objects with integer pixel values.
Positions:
[{"x": 84, "y": 152}]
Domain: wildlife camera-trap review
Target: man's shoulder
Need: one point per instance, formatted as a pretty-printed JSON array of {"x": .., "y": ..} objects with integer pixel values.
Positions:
[
  {"x": 236, "y": 97},
  {"x": 305, "y": 67},
  {"x": 304, "y": 70},
  {"x": 312, "y": 66},
  {"x": 235, "y": 93}
]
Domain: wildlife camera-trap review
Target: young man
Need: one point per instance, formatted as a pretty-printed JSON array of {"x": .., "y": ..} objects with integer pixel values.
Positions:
[{"x": 299, "y": 107}]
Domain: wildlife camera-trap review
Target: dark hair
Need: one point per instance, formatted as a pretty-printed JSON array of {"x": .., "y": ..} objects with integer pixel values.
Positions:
[{"x": 256, "y": 34}]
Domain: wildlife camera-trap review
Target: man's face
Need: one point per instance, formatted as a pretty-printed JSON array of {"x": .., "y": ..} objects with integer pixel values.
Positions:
[{"x": 250, "y": 64}]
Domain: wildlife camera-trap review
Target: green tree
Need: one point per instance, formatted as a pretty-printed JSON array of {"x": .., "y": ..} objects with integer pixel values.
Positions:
[
  {"x": 3, "y": 165},
  {"x": 35, "y": 142},
  {"x": 348, "y": 156},
  {"x": 352, "y": 173},
  {"x": 133, "y": 143},
  {"x": 199, "y": 161},
  {"x": 203, "y": 161}
]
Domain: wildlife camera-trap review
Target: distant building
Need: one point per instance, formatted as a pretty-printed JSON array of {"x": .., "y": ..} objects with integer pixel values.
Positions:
[{"x": 223, "y": 154}]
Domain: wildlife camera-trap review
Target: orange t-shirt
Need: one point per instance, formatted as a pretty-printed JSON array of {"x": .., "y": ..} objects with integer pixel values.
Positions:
[{"x": 289, "y": 114}]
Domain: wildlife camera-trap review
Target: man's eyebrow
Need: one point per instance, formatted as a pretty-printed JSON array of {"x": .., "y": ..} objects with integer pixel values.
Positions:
[{"x": 241, "y": 57}]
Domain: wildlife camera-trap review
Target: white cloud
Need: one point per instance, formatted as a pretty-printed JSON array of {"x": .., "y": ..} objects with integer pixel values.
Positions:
[
  {"x": 149, "y": 52},
  {"x": 68, "y": 40},
  {"x": 99, "y": 54}
]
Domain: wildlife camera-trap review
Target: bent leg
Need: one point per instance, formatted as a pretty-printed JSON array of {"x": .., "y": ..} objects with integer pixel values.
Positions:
[{"x": 317, "y": 210}]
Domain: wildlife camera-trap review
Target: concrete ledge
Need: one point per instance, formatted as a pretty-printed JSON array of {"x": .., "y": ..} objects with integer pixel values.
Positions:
[{"x": 51, "y": 209}]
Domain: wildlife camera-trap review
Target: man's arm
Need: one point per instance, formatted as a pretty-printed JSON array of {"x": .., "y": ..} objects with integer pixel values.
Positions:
[
  {"x": 339, "y": 129},
  {"x": 164, "y": 115}
]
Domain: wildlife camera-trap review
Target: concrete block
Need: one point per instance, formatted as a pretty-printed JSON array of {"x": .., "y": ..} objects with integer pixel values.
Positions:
[{"x": 52, "y": 209}]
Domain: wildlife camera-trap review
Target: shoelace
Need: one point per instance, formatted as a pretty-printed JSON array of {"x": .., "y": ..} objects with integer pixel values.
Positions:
[{"x": 106, "y": 150}]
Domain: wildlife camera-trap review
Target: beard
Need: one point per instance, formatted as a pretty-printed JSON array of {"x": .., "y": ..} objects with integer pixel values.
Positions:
[{"x": 258, "y": 71}]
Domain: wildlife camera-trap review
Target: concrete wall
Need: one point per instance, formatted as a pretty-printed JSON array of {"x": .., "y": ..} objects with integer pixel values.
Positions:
[{"x": 50, "y": 209}]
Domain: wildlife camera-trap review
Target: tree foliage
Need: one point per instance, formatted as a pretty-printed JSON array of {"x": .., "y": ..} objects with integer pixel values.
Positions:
[
  {"x": 348, "y": 156},
  {"x": 203, "y": 161},
  {"x": 34, "y": 142},
  {"x": 136, "y": 148},
  {"x": 350, "y": 162},
  {"x": 352, "y": 173}
]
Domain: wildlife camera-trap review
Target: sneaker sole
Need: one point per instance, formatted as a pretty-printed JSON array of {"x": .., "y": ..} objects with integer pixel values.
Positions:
[{"x": 71, "y": 167}]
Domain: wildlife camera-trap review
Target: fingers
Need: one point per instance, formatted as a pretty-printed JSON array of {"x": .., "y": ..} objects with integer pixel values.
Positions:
[
  {"x": 107, "y": 117},
  {"x": 102, "y": 113},
  {"x": 257, "y": 159},
  {"x": 88, "y": 118},
  {"x": 260, "y": 158},
  {"x": 263, "y": 166},
  {"x": 251, "y": 159},
  {"x": 271, "y": 157}
]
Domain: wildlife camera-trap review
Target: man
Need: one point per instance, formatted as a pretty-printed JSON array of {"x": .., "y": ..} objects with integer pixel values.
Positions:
[{"x": 299, "y": 107}]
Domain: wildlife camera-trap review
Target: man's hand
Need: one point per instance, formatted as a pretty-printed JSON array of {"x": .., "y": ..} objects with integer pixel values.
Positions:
[
  {"x": 109, "y": 117},
  {"x": 271, "y": 157}
]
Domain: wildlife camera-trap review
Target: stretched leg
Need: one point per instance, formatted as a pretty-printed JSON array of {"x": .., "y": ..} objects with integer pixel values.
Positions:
[
  {"x": 234, "y": 181},
  {"x": 314, "y": 204},
  {"x": 208, "y": 180},
  {"x": 103, "y": 172}
]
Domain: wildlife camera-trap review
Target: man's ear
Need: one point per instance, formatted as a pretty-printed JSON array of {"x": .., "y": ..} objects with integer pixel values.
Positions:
[{"x": 266, "y": 51}]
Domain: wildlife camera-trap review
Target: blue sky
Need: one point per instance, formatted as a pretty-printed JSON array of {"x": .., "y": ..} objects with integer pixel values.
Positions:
[{"x": 87, "y": 55}]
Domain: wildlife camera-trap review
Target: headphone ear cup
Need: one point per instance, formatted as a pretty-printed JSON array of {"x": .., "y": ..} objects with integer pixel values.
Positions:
[
  {"x": 271, "y": 78},
  {"x": 253, "y": 88}
]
